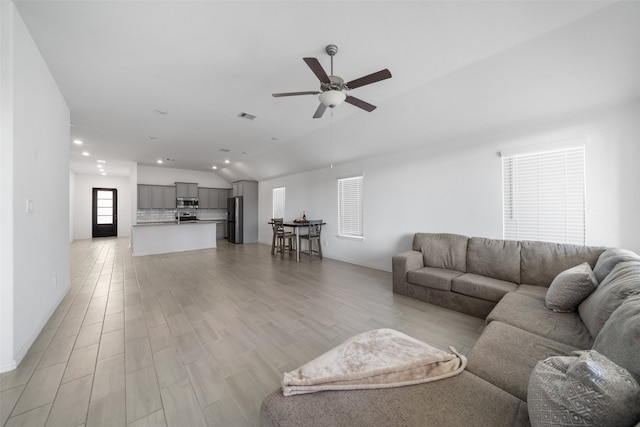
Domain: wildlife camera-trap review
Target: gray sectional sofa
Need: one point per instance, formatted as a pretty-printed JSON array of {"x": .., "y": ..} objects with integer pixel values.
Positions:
[{"x": 511, "y": 284}]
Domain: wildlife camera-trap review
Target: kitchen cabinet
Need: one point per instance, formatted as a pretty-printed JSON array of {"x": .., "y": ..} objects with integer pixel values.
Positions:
[
  {"x": 207, "y": 198},
  {"x": 186, "y": 189},
  {"x": 144, "y": 196},
  {"x": 221, "y": 230},
  {"x": 223, "y": 198},
  {"x": 212, "y": 198},
  {"x": 169, "y": 197},
  {"x": 156, "y": 197},
  {"x": 203, "y": 198}
]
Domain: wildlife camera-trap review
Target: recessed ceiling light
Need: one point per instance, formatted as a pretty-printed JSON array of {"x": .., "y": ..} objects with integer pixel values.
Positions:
[
  {"x": 160, "y": 161},
  {"x": 85, "y": 153},
  {"x": 103, "y": 173},
  {"x": 100, "y": 166},
  {"x": 77, "y": 142},
  {"x": 214, "y": 167},
  {"x": 227, "y": 161},
  {"x": 101, "y": 161}
]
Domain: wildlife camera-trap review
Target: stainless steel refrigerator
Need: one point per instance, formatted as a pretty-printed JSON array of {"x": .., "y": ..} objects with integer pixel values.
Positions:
[{"x": 234, "y": 219}]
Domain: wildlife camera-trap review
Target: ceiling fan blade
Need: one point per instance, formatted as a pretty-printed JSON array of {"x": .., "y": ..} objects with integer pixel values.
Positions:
[
  {"x": 317, "y": 69},
  {"x": 311, "y": 92},
  {"x": 371, "y": 78},
  {"x": 360, "y": 103},
  {"x": 320, "y": 111}
]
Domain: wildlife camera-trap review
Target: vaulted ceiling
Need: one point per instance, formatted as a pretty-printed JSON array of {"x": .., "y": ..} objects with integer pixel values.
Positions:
[{"x": 150, "y": 80}]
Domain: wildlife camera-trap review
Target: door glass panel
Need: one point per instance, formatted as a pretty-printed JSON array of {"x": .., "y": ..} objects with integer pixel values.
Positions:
[
  {"x": 102, "y": 219},
  {"x": 105, "y": 207}
]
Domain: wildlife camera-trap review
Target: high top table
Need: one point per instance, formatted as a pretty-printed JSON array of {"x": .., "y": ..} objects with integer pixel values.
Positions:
[{"x": 297, "y": 225}]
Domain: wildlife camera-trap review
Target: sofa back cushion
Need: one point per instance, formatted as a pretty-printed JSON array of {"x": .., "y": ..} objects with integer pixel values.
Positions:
[
  {"x": 622, "y": 282},
  {"x": 541, "y": 262},
  {"x": 609, "y": 258},
  {"x": 499, "y": 259},
  {"x": 619, "y": 338},
  {"x": 442, "y": 250}
]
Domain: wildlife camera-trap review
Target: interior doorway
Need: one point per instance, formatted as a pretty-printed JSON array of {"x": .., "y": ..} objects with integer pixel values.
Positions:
[{"x": 105, "y": 212}]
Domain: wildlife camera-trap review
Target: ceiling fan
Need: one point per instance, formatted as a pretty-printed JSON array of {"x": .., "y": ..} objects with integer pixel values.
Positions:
[{"x": 333, "y": 88}]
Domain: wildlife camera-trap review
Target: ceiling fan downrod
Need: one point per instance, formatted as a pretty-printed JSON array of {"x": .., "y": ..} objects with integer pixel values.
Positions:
[{"x": 331, "y": 50}]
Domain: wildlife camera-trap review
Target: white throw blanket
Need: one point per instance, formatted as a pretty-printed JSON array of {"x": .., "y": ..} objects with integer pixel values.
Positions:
[{"x": 376, "y": 359}]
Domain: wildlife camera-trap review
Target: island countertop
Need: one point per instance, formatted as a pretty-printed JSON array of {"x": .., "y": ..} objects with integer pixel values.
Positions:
[{"x": 199, "y": 221}]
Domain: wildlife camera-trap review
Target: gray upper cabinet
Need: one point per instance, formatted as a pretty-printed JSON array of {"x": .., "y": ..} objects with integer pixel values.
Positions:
[
  {"x": 223, "y": 198},
  {"x": 156, "y": 197},
  {"x": 186, "y": 189},
  {"x": 203, "y": 198},
  {"x": 144, "y": 197},
  {"x": 169, "y": 197},
  {"x": 212, "y": 198}
]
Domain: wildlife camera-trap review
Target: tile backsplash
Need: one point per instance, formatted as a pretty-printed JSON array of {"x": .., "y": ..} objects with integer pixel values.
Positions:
[{"x": 167, "y": 215}]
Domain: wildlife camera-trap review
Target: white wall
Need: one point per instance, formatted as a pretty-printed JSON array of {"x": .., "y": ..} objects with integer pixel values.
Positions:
[
  {"x": 83, "y": 194},
  {"x": 169, "y": 176},
  {"x": 72, "y": 207},
  {"x": 458, "y": 189},
  {"x": 38, "y": 143}
]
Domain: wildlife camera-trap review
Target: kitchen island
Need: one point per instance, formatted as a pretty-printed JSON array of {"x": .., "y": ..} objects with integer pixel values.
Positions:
[{"x": 164, "y": 237}]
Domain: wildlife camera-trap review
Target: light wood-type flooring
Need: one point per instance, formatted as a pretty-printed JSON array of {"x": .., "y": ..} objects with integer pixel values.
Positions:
[{"x": 199, "y": 338}]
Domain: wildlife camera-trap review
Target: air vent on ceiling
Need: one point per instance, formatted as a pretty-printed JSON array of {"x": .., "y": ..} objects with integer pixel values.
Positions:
[
  {"x": 225, "y": 150},
  {"x": 246, "y": 116}
]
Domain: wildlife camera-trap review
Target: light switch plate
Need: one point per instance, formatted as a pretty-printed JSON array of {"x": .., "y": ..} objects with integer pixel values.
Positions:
[{"x": 29, "y": 206}]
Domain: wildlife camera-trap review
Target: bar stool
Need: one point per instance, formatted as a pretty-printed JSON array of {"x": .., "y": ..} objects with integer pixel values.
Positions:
[
  {"x": 315, "y": 229},
  {"x": 280, "y": 237}
]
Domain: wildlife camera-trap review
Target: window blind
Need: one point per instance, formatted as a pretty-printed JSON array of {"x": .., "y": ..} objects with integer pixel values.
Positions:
[
  {"x": 278, "y": 202},
  {"x": 544, "y": 196},
  {"x": 350, "y": 207}
]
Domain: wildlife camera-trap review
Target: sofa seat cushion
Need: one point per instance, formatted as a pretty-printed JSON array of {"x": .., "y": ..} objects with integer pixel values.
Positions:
[
  {"x": 619, "y": 339},
  {"x": 623, "y": 281},
  {"x": 442, "y": 250},
  {"x": 505, "y": 356},
  {"x": 495, "y": 258},
  {"x": 538, "y": 292},
  {"x": 450, "y": 402},
  {"x": 436, "y": 278},
  {"x": 541, "y": 262},
  {"x": 482, "y": 287},
  {"x": 532, "y": 315}
]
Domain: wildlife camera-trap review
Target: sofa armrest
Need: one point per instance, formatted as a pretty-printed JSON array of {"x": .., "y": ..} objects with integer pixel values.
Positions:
[{"x": 402, "y": 264}]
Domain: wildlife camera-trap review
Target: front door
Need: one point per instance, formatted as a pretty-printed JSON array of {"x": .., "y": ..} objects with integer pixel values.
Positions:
[{"x": 105, "y": 212}]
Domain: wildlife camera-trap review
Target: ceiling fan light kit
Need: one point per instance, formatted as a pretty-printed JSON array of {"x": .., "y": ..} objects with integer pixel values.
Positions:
[
  {"x": 333, "y": 88},
  {"x": 332, "y": 98}
]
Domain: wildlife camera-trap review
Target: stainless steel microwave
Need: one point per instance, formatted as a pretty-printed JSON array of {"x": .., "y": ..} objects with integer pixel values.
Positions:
[{"x": 187, "y": 203}]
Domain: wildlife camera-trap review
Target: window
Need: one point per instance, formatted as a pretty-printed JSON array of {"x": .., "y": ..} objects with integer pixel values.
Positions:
[
  {"x": 544, "y": 196},
  {"x": 350, "y": 207},
  {"x": 278, "y": 202}
]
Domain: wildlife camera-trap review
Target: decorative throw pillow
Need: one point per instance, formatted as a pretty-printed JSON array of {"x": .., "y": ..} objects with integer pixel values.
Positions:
[
  {"x": 585, "y": 390},
  {"x": 608, "y": 260},
  {"x": 570, "y": 288}
]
